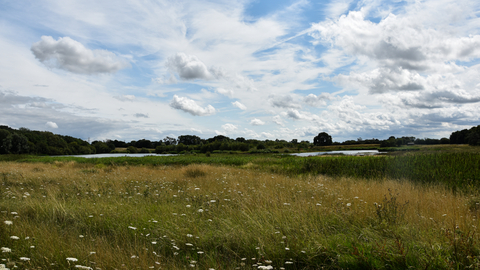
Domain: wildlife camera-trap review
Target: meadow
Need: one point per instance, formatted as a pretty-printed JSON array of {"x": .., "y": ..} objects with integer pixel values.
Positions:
[{"x": 414, "y": 210}]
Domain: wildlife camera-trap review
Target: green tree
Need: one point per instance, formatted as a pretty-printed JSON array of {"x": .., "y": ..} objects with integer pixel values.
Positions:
[
  {"x": 322, "y": 139},
  {"x": 3, "y": 135},
  {"x": 16, "y": 144}
]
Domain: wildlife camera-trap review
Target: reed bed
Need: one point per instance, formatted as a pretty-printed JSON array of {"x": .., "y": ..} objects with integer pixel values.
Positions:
[{"x": 69, "y": 215}]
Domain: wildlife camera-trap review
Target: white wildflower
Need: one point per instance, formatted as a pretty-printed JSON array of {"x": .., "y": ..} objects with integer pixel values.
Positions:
[
  {"x": 24, "y": 259},
  {"x": 14, "y": 237},
  {"x": 5, "y": 250},
  {"x": 131, "y": 227},
  {"x": 8, "y": 222},
  {"x": 70, "y": 259}
]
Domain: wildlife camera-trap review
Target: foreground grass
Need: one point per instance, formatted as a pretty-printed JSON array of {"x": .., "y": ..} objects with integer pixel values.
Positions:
[{"x": 219, "y": 217}]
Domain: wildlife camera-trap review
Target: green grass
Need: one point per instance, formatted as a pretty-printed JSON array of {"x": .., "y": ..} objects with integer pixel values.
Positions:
[
  {"x": 455, "y": 169},
  {"x": 222, "y": 217}
]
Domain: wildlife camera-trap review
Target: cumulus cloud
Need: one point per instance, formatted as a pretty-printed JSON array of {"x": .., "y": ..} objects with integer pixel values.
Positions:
[
  {"x": 317, "y": 101},
  {"x": 239, "y": 105},
  {"x": 229, "y": 127},
  {"x": 277, "y": 119},
  {"x": 190, "y": 106},
  {"x": 257, "y": 122},
  {"x": 68, "y": 54},
  {"x": 284, "y": 102},
  {"x": 51, "y": 124},
  {"x": 189, "y": 67}
]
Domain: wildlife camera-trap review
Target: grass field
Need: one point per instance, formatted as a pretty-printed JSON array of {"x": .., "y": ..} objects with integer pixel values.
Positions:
[{"x": 238, "y": 212}]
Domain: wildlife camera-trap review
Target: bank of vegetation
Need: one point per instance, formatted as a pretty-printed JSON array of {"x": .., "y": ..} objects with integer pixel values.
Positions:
[
  {"x": 70, "y": 215},
  {"x": 26, "y": 141}
]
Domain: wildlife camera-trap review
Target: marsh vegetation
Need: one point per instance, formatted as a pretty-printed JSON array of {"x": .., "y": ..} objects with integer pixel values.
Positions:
[{"x": 239, "y": 212}]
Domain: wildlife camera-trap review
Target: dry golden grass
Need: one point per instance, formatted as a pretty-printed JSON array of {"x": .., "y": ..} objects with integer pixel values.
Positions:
[{"x": 235, "y": 212}]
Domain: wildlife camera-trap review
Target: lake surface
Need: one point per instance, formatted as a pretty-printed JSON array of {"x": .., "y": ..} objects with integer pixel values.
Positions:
[
  {"x": 345, "y": 152},
  {"x": 122, "y": 155}
]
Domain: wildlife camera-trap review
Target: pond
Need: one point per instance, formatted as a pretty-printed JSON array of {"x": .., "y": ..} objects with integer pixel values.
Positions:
[{"x": 344, "y": 152}]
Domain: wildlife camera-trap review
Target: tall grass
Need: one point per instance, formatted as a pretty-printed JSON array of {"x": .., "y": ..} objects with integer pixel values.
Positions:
[
  {"x": 456, "y": 170},
  {"x": 220, "y": 217}
]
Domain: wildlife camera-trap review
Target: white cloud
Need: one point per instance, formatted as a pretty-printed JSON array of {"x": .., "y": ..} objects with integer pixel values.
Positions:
[
  {"x": 71, "y": 55},
  {"x": 239, "y": 105},
  {"x": 51, "y": 124},
  {"x": 229, "y": 127},
  {"x": 284, "y": 102},
  {"x": 317, "y": 101},
  {"x": 225, "y": 92},
  {"x": 277, "y": 119},
  {"x": 190, "y": 106},
  {"x": 188, "y": 67},
  {"x": 257, "y": 122}
]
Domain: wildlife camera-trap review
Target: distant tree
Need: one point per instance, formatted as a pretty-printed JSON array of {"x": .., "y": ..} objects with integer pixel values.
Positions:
[
  {"x": 132, "y": 149},
  {"x": 170, "y": 141},
  {"x": 189, "y": 139},
  {"x": 390, "y": 142},
  {"x": 3, "y": 135},
  {"x": 143, "y": 143},
  {"x": 240, "y": 139},
  {"x": 473, "y": 137},
  {"x": 322, "y": 139},
  {"x": 261, "y": 146},
  {"x": 16, "y": 143}
]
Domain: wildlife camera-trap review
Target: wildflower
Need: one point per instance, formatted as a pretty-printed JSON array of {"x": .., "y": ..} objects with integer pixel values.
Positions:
[
  {"x": 200, "y": 210},
  {"x": 70, "y": 259},
  {"x": 349, "y": 204},
  {"x": 188, "y": 205},
  {"x": 131, "y": 227},
  {"x": 154, "y": 243},
  {"x": 444, "y": 215},
  {"x": 188, "y": 244},
  {"x": 189, "y": 235},
  {"x": 212, "y": 201},
  {"x": 4, "y": 250},
  {"x": 288, "y": 262},
  {"x": 14, "y": 213},
  {"x": 287, "y": 248},
  {"x": 24, "y": 259},
  {"x": 81, "y": 236},
  {"x": 83, "y": 267},
  {"x": 32, "y": 246},
  {"x": 200, "y": 252},
  {"x": 2, "y": 267},
  {"x": 14, "y": 237},
  {"x": 265, "y": 267},
  {"x": 8, "y": 222}
]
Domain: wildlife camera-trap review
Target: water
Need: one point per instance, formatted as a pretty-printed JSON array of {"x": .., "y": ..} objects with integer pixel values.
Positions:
[
  {"x": 345, "y": 152},
  {"x": 122, "y": 155}
]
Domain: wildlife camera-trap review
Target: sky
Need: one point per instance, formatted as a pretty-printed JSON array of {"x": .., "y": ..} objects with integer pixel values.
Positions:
[{"x": 258, "y": 69}]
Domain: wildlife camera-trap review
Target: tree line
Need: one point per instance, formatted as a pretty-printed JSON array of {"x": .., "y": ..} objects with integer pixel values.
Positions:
[{"x": 26, "y": 141}]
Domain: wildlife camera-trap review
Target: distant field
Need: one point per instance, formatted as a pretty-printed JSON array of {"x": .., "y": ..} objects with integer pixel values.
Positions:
[{"x": 242, "y": 212}]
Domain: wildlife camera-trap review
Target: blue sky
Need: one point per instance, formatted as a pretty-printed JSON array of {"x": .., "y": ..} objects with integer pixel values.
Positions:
[{"x": 287, "y": 69}]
